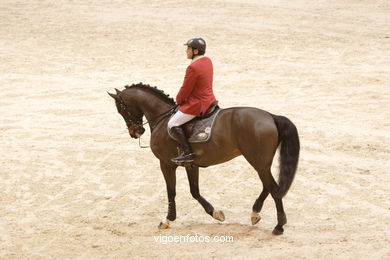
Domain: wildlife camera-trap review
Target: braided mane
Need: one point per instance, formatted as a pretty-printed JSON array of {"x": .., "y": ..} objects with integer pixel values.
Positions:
[{"x": 155, "y": 90}]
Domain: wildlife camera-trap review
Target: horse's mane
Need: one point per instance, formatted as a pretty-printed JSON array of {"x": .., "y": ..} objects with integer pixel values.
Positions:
[{"x": 155, "y": 90}]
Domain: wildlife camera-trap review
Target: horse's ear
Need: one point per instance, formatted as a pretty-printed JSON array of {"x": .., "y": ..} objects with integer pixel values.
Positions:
[
  {"x": 118, "y": 91},
  {"x": 112, "y": 95}
]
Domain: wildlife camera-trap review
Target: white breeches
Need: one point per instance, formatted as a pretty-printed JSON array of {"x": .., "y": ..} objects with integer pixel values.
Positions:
[{"x": 179, "y": 119}]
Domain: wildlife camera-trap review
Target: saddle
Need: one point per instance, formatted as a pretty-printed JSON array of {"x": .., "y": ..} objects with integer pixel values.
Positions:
[{"x": 198, "y": 130}]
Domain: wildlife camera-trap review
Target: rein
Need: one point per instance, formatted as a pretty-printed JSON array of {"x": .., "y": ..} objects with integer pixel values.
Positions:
[
  {"x": 140, "y": 145},
  {"x": 159, "y": 119},
  {"x": 164, "y": 115}
]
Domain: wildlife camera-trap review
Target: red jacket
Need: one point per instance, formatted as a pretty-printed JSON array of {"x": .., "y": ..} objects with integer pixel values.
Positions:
[{"x": 196, "y": 94}]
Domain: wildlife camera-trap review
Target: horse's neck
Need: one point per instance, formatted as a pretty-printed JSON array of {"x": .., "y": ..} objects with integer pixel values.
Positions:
[{"x": 153, "y": 107}]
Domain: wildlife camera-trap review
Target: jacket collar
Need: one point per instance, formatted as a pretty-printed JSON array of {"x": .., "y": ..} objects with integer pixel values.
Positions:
[{"x": 197, "y": 58}]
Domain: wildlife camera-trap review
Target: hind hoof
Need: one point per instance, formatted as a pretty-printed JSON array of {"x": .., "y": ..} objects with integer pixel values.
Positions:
[
  {"x": 255, "y": 218},
  {"x": 218, "y": 215},
  {"x": 278, "y": 231}
]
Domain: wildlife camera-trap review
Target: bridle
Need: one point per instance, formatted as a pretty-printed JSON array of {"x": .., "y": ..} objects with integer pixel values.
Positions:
[
  {"x": 132, "y": 122},
  {"x": 135, "y": 123}
]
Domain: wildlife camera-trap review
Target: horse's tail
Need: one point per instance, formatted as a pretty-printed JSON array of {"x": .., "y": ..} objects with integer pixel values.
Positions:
[{"x": 289, "y": 153}]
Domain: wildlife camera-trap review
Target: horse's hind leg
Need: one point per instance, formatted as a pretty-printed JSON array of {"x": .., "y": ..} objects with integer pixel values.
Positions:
[
  {"x": 193, "y": 179},
  {"x": 271, "y": 186},
  {"x": 282, "y": 220},
  {"x": 263, "y": 168},
  {"x": 255, "y": 217}
]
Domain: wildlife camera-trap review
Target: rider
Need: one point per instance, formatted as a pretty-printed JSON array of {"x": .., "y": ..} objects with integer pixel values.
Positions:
[{"x": 194, "y": 97}]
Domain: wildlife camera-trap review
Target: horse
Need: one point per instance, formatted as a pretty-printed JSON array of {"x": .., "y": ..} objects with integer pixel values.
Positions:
[{"x": 251, "y": 132}]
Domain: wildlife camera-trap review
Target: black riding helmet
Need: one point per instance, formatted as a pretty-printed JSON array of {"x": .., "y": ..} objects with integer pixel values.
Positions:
[{"x": 197, "y": 43}]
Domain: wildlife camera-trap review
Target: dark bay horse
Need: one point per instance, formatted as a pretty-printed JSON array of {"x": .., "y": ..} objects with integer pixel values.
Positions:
[{"x": 251, "y": 132}]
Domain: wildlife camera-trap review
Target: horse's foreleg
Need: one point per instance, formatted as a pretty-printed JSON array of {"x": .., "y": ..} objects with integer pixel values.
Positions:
[
  {"x": 255, "y": 217},
  {"x": 193, "y": 179},
  {"x": 169, "y": 172}
]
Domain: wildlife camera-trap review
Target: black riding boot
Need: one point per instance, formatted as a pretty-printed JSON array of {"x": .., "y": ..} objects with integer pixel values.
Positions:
[{"x": 186, "y": 155}]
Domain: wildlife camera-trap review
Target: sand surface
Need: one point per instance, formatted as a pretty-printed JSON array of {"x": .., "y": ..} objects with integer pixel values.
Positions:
[{"x": 73, "y": 185}]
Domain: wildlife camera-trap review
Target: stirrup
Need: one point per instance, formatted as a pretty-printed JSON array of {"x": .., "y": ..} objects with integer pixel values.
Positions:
[{"x": 184, "y": 158}]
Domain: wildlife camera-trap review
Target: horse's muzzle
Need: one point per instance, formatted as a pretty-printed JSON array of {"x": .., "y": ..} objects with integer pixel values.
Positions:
[{"x": 136, "y": 133}]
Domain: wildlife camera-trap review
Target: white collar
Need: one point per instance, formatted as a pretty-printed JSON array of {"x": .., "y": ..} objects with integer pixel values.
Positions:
[{"x": 197, "y": 58}]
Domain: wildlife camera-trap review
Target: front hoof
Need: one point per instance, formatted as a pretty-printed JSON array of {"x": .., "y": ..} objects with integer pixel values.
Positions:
[
  {"x": 164, "y": 224},
  {"x": 218, "y": 215},
  {"x": 255, "y": 218},
  {"x": 278, "y": 231}
]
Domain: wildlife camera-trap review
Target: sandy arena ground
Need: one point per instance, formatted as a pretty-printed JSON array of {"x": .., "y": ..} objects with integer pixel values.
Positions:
[{"x": 73, "y": 185}]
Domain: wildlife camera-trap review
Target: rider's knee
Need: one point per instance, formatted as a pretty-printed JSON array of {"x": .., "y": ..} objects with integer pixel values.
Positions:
[{"x": 172, "y": 123}]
